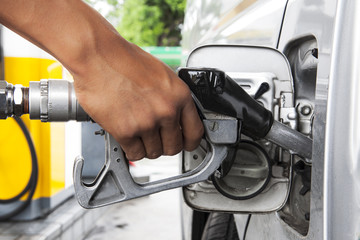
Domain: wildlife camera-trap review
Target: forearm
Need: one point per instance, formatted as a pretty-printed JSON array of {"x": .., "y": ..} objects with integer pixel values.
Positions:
[{"x": 69, "y": 30}]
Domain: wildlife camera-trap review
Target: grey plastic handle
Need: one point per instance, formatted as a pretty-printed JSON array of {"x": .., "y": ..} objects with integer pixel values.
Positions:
[{"x": 115, "y": 184}]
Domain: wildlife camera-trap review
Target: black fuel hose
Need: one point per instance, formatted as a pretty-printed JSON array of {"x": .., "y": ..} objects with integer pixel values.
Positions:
[{"x": 31, "y": 185}]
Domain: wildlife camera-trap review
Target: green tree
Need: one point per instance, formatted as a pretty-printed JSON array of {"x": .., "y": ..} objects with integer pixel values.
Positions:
[
  {"x": 152, "y": 22},
  {"x": 146, "y": 22}
]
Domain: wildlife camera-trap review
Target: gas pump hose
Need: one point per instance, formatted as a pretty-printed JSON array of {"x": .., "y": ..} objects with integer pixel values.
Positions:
[{"x": 31, "y": 185}]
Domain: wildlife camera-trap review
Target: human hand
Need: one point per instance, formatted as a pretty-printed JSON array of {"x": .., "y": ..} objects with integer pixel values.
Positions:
[{"x": 139, "y": 101}]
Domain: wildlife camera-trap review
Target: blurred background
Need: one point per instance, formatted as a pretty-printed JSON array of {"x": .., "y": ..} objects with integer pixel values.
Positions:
[
  {"x": 154, "y": 25},
  {"x": 145, "y": 22}
]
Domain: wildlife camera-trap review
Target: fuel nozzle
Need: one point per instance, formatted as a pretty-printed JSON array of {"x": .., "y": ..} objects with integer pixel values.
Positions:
[
  {"x": 48, "y": 100},
  {"x": 218, "y": 93}
]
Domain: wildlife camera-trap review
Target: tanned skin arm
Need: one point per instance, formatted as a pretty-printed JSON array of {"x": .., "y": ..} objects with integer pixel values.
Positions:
[{"x": 132, "y": 95}]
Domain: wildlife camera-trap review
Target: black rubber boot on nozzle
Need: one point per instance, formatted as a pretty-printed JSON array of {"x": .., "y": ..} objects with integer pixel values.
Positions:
[{"x": 218, "y": 93}]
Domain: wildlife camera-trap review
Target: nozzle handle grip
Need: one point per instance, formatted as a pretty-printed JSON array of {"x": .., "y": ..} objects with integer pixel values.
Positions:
[{"x": 115, "y": 184}]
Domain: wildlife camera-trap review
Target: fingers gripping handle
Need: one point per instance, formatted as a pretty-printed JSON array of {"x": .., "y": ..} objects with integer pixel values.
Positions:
[{"x": 115, "y": 184}]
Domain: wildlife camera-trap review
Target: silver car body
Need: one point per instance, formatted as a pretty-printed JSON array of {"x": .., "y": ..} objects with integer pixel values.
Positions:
[{"x": 335, "y": 25}]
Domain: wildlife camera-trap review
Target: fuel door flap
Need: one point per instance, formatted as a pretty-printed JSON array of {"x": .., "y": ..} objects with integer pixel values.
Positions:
[{"x": 257, "y": 178}]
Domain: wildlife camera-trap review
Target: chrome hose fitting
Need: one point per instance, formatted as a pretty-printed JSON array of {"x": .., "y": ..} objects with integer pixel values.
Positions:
[
  {"x": 47, "y": 100},
  {"x": 13, "y": 100},
  {"x": 54, "y": 101}
]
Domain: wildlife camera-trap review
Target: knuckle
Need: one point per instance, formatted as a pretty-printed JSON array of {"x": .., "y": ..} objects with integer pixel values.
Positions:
[
  {"x": 168, "y": 115},
  {"x": 147, "y": 125},
  {"x": 135, "y": 156},
  {"x": 183, "y": 89},
  {"x": 153, "y": 155},
  {"x": 132, "y": 146},
  {"x": 125, "y": 136},
  {"x": 126, "y": 132},
  {"x": 131, "y": 131},
  {"x": 173, "y": 150}
]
